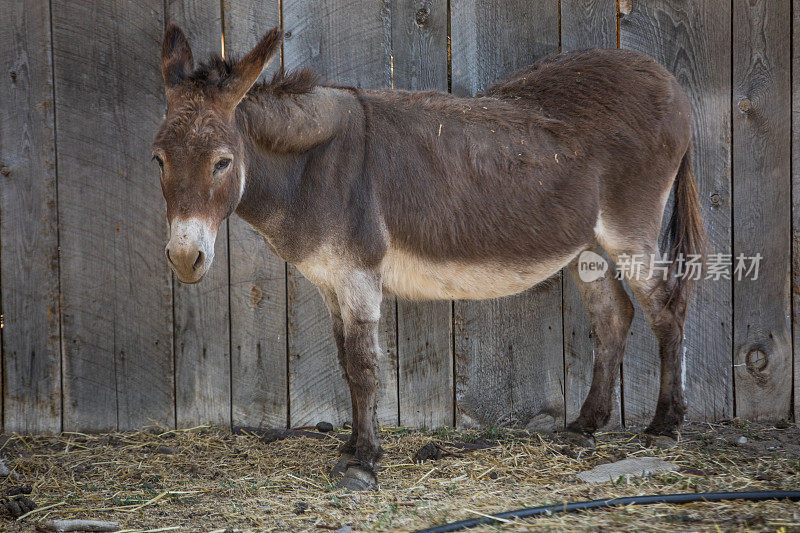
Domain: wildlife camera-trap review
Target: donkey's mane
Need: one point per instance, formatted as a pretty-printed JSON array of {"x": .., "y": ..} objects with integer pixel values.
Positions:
[{"x": 214, "y": 74}]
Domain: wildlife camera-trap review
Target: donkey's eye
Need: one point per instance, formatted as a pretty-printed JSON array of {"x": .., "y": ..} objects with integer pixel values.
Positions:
[
  {"x": 159, "y": 161},
  {"x": 222, "y": 164}
]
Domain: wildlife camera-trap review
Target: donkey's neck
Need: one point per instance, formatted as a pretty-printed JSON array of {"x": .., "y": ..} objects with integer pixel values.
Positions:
[
  {"x": 294, "y": 123},
  {"x": 288, "y": 141}
]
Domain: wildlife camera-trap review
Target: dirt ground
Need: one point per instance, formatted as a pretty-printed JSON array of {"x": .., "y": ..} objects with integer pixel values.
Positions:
[{"x": 207, "y": 479}]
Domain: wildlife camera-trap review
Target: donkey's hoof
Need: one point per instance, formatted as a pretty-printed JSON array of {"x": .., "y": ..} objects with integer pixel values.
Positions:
[
  {"x": 358, "y": 478},
  {"x": 341, "y": 465},
  {"x": 580, "y": 438}
]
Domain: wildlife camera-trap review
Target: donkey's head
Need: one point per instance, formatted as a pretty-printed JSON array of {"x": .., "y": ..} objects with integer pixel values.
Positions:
[{"x": 198, "y": 148}]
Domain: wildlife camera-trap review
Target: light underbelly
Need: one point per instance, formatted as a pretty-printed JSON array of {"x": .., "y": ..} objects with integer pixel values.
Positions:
[{"x": 411, "y": 277}]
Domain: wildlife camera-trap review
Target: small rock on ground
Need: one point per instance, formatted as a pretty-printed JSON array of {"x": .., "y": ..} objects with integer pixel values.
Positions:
[
  {"x": 166, "y": 450},
  {"x": 6, "y": 471},
  {"x": 324, "y": 427},
  {"x": 627, "y": 468},
  {"x": 429, "y": 451}
]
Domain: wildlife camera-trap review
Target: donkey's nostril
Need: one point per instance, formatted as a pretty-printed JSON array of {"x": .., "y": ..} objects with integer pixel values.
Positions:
[
  {"x": 166, "y": 251},
  {"x": 199, "y": 261}
]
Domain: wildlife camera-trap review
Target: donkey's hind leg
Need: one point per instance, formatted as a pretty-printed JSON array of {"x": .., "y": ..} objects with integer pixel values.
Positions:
[
  {"x": 665, "y": 308},
  {"x": 610, "y": 315}
]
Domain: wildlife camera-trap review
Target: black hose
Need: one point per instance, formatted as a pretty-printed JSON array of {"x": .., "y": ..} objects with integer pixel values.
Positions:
[{"x": 691, "y": 497}]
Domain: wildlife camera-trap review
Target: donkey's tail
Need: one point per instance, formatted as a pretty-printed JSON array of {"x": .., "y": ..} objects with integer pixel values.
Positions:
[{"x": 686, "y": 235}]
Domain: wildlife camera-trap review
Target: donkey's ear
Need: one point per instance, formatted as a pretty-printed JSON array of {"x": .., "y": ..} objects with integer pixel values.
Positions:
[
  {"x": 176, "y": 57},
  {"x": 245, "y": 73}
]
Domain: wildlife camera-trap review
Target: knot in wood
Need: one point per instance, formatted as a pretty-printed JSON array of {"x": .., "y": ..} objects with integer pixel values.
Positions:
[
  {"x": 756, "y": 362},
  {"x": 422, "y": 15},
  {"x": 255, "y": 295},
  {"x": 745, "y": 105}
]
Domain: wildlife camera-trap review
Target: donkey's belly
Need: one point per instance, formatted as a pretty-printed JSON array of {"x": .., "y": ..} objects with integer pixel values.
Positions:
[{"x": 415, "y": 278}]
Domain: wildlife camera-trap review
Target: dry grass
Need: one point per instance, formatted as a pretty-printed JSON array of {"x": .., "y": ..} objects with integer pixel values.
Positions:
[{"x": 205, "y": 479}]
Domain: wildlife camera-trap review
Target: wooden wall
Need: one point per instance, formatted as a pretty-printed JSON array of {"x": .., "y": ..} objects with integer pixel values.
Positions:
[{"x": 98, "y": 335}]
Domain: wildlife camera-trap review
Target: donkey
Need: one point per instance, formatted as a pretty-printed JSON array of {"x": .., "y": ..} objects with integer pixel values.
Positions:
[{"x": 425, "y": 195}]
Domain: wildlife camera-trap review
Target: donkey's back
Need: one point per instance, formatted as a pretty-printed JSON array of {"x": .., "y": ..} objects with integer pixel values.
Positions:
[{"x": 484, "y": 197}]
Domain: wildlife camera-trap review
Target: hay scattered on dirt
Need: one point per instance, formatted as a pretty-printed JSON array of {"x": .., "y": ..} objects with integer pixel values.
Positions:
[{"x": 206, "y": 479}]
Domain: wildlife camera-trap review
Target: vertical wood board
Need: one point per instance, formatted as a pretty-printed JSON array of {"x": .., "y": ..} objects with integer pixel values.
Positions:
[
  {"x": 692, "y": 40},
  {"x": 762, "y": 207},
  {"x": 584, "y": 24},
  {"x": 115, "y": 283},
  {"x": 202, "y": 336},
  {"x": 424, "y": 343},
  {"x": 347, "y": 42},
  {"x": 28, "y": 224},
  {"x": 508, "y": 353},
  {"x": 258, "y": 277}
]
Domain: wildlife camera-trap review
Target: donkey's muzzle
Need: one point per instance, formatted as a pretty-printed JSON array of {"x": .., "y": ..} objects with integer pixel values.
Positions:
[{"x": 190, "y": 249}]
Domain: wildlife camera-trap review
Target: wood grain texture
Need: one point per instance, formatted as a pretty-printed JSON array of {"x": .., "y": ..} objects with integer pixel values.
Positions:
[
  {"x": 202, "y": 336},
  {"x": 762, "y": 207},
  {"x": 502, "y": 376},
  {"x": 588, "y": 24},
  {"x": 425, "y": 359},
  {"x": 424, "y": 343},
  {"x": 28, "y": 231},
  {"x": 346, "y": 41},
  {"x": 796, "y": 202},
  {"x": 258, "y": 277},
  {"x": 419, "y": 44},
  {"x": 491, "y": 40},
  {"x": 584, "y": 24},
  {"x": 115, "y": 283},
  {"x": 509, "y": 352},
  {"x": 691, "y": 39},
  {"x": 246, "y": 21}
]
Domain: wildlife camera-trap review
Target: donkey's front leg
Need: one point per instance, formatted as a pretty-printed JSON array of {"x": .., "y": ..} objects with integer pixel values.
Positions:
[
  {"x": 360, "y": 301},
  {"x": 348, "y": 448}
]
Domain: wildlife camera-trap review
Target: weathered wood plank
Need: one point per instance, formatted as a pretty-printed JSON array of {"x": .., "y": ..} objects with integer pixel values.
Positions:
[
  {"x": 419, "y": 44},
  {"x": 796, "y": 202},
  {"x": 509, "y": 352},
  {"x": 258, "y": 277},
  {"x": 498, "y": 347},
  {"x": 202, "y": 336},
  {"x": 584, "y": 24},
  {"x": 693, "y": 41},
  {"x": 424, "y": 343},
  {"x": 588, "y": 24},
  {"x": 115, "y": 283},
  {"x": 762, "y": 207},
  {"x": 246, "y": 21},
  {"x": 201, "y": 21},
  {"x": 28, "y": 232},
  {"x": 346, "y": 41},
  {"x": 425, "y": 358}
]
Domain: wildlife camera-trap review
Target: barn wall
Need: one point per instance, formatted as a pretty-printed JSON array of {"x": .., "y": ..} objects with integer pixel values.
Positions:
[{"x": 97, "y": 334}]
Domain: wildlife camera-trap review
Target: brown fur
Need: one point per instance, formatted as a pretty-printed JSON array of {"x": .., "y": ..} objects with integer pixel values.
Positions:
[{"x": 577, "y": 150}]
